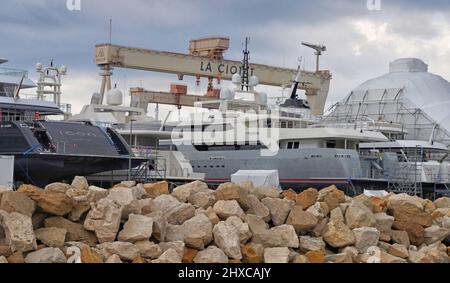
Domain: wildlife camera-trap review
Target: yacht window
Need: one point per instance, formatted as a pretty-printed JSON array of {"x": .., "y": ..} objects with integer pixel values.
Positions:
[
  {"x": 290, "y": 145},
  {"x": 331, "y": 144},
  {"x": 296, "y": 144},
  {"x": 283, "y": 124}
]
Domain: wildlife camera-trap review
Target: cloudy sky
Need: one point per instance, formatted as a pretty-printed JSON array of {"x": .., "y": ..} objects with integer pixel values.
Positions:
[{"x": 361, "y": 42}]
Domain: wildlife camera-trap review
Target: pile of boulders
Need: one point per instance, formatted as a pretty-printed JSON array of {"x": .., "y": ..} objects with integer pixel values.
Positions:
[{"x": 145, "y": 223}]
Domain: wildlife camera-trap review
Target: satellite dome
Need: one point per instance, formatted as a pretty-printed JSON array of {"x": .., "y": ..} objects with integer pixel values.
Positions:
[{"x": 114, "y": 97}]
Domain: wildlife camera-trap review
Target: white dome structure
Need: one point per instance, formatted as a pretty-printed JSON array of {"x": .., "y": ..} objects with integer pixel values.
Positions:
[{"x": 407, "y": 95}]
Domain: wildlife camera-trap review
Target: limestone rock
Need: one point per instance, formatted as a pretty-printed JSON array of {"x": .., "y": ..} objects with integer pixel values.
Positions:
[
  {"x": 320, "y": 210},
  {"x": 104, "y": 219},
  {"x": 211, "y": 255},
  {"x": 256, "y": 225},
  {"x": 169, "y": 256},
  {"x": 96, "y": 193},
  {"x": 307, "y": 198},
  {"x": 337, "y": 215},
  {"x": 137, "y": 228},
  {"x": 178, "y": 214},
  {"x": 256, "y": 207},
  {"x": 212, "y": 216},
  {"x": 165, "y": 203},
  {"x": 365, "y": 237},
  {"x": 263, "y": 192},
  {"x": 80, "y": 198},
  {"x": 231, "y": 191},
  {"x": 331, "y": 196},
  {"x": 384, "y": 224},
  {"x": 5, "y": 250},
  {"x": 16, "y": 257},
  {"x": 75, "y": 231},
  {"x": 308, "y": 243},
  {"x": 226, "y": 237},
  {"x": 197, "y": 232},
  {"x": 398, "y": 250},
  {"x": 126, "y": 200},
  {"x": 156, "y": 189},
  {"x": 80, "y": 183},
  {"x": 338, "y": 235},
  {"x": 88, "y": 255},
  {"x": 51, "y": 237},
  {"x": 316, "y": 256},
  {"x": 139, "y": 193},
  {"x": 18, "y": 231},
  {"x": 46, "y": 255},
  {"x": 177, "y": 246},
  {"x": 400, "y": 237},
  {"x": 416, "y": 232},
  {"x": 276, "y": 255},
  {"x": 17, "y": 202},
  {"x": 358, "y": 215},
  {"x": 125, "y": 250},
  {"x": 301, "y": 259},
  {"x": 289, "y": 194},
  {"x": 404, "y": 200},
  {"x": 443, "y": 202},
  {"x": 202, "y": 199},
  {"x": 320, "y": 227},
  {"x": 145, "y": 206},
  {"x": 175, "y": 232},
  {"x": 148, "y": 249},
  {"x": 279, "y": 209},
  {"x": 301, "y": 220},
  {"x": 339, "y": 258},
  {"x": 227, "y": 208},
  {"x": 388, "y": 258},
  {"x": 3, "y": 259},
  {"x": 189, "y": 255},
  {"x": 241, "y": 227},
  {"x": 435, "y": 234},
  {"x": 159, "y": 225},
  {"x": 113, "y": 259},
  {"x": 252, "y": 253},
  {"x": 287, "y": 235},
  {"x": 52, "y": 200},
  {"x": 183, "y": 192}
]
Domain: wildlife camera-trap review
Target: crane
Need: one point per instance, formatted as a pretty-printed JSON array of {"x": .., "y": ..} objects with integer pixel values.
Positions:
[{"x": 319, "y": 49}]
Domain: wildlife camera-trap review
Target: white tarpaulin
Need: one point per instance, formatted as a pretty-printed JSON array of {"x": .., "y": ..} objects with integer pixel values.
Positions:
[
  {"x": 372, "y": 193},
  {"x": 7, "y": 171},
  {"x": 259, "y": 178}
]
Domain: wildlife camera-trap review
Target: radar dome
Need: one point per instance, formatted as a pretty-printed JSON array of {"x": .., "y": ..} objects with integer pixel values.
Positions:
[
  {"x": 114, "y": 97},
  {"x": 227, "y": 94},
  {"x": 261, "y": 98},
  {"x": 254, "y": 81},
  {"x": 236, "y": 79}
]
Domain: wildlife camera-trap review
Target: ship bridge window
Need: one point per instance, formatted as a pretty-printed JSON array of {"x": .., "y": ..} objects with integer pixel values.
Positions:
[{"x": 331, "y": 144}]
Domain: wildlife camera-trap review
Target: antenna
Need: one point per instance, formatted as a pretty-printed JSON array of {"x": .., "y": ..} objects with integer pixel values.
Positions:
[
  {"x": 319, "y": 49},
  {"x": 245, "y": 66},
  {"x": 110, "y": 31}
]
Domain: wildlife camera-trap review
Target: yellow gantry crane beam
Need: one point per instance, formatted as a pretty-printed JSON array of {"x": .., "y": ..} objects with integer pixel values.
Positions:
[{"x": 107, "y": 56}]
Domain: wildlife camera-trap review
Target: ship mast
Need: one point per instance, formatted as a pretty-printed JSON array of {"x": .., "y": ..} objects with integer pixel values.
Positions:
[{"x": 245, "y": 66}]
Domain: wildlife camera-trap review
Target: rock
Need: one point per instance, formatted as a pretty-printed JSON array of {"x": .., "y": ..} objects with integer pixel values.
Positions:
[
  {"x": 435, "y": 234},
  {"x": 5, "y": 250},
  {"x": 307, "y": 198},
  {"x": 38, "y": 220},
  {"x": 126, "y": 199},
  {"x": 289, "y": 194},
  {"x": 227, "y": 208},
  {"x": 125, "y": 250},
  {"x": 231, "y": 191},
  {"x": 212, "y": 216},
  {"x": 104, "y": 219},
  {"x": 46, "y": 255},
  {"x": 178, "y": 214},
  {"x": 3, "y": 259},
  {"x": 139, "y": 193},
  {"x": 331, "y": 196},
  {"x": 241, "y": 227},
  {"x": 17, "y": 202},
  {"x": 286, "y": 233},
  {"x": 165, "y": 203},
  {"x": 95, "y": 193},
  {"x": 337, "y": 215},
  {"x": 257, "y": 226},
  {"x": 276, "y": 255},
  {"x": 148, "y": 249},
  {"x": 338, "y": 235},
  {"x": 189, "y": 255},
  {"x": 80, "y": 183},
  {"x": 138, "y": 260},
  {"x": 388, "y": 258},
  {"x": 440, "y": 212},
  {"x": 137, "y": 228},
  {"x": 308, "y": 243},
  {"x": 183, "y": 192},
  {"x": 384, "y": 224},
  {"x": 443, "y": 202},
  {"x": 411, "y": 214},
  {"x": 416, "y": 232},
  {"x": 301, "y": 220},
  {"x": 365, "y": 237},
  {"x": 437, "y": 253},
  {"x": 316, "y": 256},
  {"x": 125, "y": 184},
  {"x": 320, "y": 210},
  {"x": 252, "y": 253},
  {"x": 429, "y": 206},
  {"x": 256, "y": 207},
  {"x": 358, "y": 215},
  {"x": 81, "y": 200},
  {"x": 146, "y": 206},
  {"x": 400, "y": 237},
  {"x": 178, "y": 246},
  {"x": 159, "y": 225},
  {"x": 263, "y": 192},
  {"x": 320, "y": 228},
  {"x": 279, "y": 209},
  {"x": 52, "y": 200},
  {"x": 202, "y": 199},
  {"x": 197, "y": 232},
  {"x": 113, "y": 259},
  {"x": 169, "y": 256},
  {"x": 226, "y": 237},
  {"x": 75, "y": 231},
  {"x": 88, "y": 255},
  {"x": 16, "y": 257},
  {"x": 211, "y": 255},
  {"x": 175, "y": 232},
  {"x": 339, "y": 258},
  {"x": 404, "y": 200},
  {"x": 154, "y": 190},
  {"x": 18, "y": 231},
  {"x": 398, "y": 250},
  {"x": 51, "y": 237},
  {"x": 301, "y": 259}
]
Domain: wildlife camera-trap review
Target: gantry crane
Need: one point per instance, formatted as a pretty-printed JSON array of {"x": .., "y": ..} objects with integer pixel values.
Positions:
[{"x": 107, "y": 56}]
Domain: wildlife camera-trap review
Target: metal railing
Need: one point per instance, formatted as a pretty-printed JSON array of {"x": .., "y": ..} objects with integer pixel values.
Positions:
[{"x": 13, "y": 72}]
